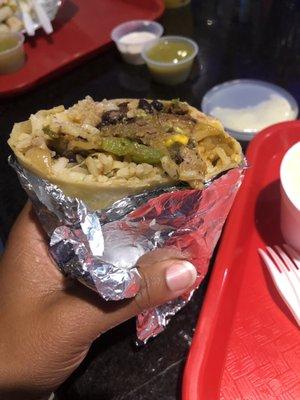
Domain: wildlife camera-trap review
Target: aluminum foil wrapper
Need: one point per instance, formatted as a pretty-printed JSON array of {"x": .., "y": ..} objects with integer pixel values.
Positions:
[{"x": 101, "y": 249}]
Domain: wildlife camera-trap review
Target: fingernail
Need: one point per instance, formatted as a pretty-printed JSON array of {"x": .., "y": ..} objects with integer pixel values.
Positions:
[{"x": 180, "y": 276}]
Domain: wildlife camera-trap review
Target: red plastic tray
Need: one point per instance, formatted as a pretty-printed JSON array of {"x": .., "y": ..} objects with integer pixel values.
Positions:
[
  {"x": 247, "y": 345},
  {"x": 82, "y": 29}
]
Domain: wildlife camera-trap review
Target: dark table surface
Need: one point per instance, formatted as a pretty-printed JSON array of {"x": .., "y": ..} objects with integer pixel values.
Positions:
[{"x": 237, "y": 39}]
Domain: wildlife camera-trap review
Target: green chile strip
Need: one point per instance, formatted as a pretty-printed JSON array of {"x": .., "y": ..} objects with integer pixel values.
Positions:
[
  {"x": 125, "y": 147},
  {"x": 49, "y": 132}
]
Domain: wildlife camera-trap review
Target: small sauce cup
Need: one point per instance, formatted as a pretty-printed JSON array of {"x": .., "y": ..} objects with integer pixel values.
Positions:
[
  {"x": 290, "y": 196},
  {"x": 132, "y": 36},
  {"x": 178, "y": 67},
  {"x": 12, "y": 55}
]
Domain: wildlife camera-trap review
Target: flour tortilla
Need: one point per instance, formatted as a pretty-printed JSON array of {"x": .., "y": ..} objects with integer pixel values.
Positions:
[{"x": 29, "y": 141}]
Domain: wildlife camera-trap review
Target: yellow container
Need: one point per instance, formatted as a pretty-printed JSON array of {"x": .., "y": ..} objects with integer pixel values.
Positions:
[{"x": 12, "y": 56}]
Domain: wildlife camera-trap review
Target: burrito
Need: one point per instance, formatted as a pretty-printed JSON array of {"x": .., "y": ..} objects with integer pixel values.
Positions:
[{"x": 103, "y": 151}]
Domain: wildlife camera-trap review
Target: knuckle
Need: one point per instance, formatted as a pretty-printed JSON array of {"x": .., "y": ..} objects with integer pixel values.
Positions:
[{"x": 143, "y": 299}]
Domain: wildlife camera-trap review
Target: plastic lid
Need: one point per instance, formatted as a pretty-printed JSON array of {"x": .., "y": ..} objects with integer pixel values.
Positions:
[{"x": 246, "y": 106}]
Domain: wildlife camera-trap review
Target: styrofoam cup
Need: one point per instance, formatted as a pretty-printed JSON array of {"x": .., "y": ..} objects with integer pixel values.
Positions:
[{"x": 290, "y": 196}]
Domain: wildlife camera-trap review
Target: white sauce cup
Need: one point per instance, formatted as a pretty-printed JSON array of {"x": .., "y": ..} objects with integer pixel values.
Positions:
[{"x": 131, "y": 52}]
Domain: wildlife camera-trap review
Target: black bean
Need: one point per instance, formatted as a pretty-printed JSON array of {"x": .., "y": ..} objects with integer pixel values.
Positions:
[
  {"x": 175, "y": 153},
  {"x": 123, "y": 107},
  {"x": 129, "y": 120},
  {"x": 145, "y": 105},
  {"x": 112, "y": 117},
  {"x": 178, "y": 159},
  {"x": 157, "y": 105},
  {"x": 70, "y": 156}
]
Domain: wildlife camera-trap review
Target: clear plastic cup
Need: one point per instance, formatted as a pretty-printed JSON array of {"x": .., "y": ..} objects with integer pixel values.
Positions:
[
  {"x": 170, "y": 73},
  {"x": 13, "y": 58},
  {"x": 131, "y": 46}
]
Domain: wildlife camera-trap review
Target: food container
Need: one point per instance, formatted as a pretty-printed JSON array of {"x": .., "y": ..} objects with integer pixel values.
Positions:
[
  {"x": 290, "y": 196},
  {"x": 170, "y": 59},
  {"x": 12, "y": 55},
  {"x": 132, "y": 36},
  {"x": 246, "y": 106}
]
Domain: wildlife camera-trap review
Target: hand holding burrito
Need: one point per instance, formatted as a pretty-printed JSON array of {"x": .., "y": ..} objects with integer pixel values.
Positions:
[
  {"x": 48, "y": 322},
  {"x": 113, "y": 180}
]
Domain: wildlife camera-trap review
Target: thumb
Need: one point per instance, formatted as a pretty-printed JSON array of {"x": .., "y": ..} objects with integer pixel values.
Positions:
[{"x": 161, "y": 282}]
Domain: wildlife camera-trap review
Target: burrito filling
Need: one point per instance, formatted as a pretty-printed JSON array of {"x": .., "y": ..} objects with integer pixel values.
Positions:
[
  {"x": 131, "y": 139},
  {"x": 102, "y": 151}
]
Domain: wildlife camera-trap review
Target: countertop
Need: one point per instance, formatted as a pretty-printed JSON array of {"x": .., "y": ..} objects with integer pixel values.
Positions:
[{"x": 237, "y": 39}]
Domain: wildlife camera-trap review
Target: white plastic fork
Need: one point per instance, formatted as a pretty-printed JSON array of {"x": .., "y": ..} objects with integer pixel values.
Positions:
[
  {"x": 284, "y": 268},
  {"x": 42, "y": 16},
  {"x": 26, "y": 17}
]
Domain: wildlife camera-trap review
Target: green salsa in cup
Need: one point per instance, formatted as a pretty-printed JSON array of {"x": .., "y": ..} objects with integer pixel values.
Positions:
[
  {"x": 170, "y": 59},
  {"x": 12, "y": 56}
]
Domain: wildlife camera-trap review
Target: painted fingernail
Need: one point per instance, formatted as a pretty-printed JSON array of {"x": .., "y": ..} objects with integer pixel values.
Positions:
[{"x": 181, "y": 276}]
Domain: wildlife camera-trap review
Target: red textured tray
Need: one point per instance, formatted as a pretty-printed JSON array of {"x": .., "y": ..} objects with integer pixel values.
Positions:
[
  {"x": 82, "y": 29},
  {"x": 247, "y": 345}
]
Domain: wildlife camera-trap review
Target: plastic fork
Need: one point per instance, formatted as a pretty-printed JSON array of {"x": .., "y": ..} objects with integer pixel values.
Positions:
[
  {"x": 42, "y": 16},
  {"x": 284, "y": 268},
  {"x": 26, "y": 17}
]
